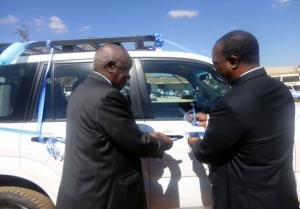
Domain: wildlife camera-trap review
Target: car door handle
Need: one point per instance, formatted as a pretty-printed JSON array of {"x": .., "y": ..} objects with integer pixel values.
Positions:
[
  {"x": 46, "y": 139},
  {"x": 175, "y": 137},
  {"x": 40, "y": 139}
]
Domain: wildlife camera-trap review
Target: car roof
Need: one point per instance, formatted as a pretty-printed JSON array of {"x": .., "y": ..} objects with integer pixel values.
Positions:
[
  {"x": 84, "y": 49},
  {"x": 90, "y": 55}
]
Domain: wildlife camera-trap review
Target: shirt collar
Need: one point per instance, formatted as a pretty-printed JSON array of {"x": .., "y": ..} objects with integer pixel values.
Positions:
[
  {"x": 103, "y": 77},
  {"x": 249, "y": 71},
  {"x": 255, "y": 72}
]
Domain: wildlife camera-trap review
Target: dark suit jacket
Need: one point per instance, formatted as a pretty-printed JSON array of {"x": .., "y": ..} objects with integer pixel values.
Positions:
[
  {"x": 102, "y": 167},
  {"x": 249, "y": 145}
]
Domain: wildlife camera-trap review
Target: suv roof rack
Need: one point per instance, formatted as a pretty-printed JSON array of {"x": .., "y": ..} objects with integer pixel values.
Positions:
[{"x": 88, "y": 44}]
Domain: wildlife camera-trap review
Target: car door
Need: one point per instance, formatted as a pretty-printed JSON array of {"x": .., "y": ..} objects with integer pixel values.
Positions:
[
  {"x": 42, "y": 157},
  {"x": 175, "y": 88},
  {"x": 16, "y": 84},
  {"x": 62, "y": 80}
]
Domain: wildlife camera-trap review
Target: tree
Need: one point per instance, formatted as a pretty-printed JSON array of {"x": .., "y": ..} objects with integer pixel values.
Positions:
[{"x": 23, "y": 31}]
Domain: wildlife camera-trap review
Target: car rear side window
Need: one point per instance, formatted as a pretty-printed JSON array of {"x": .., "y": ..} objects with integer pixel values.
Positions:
[
  {"x": 16, "y": 82},
  {"x": 59, "y": 88},
  {"x": 67, "y": 77}
]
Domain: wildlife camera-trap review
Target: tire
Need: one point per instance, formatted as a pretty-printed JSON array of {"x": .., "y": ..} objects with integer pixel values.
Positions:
[{"x": 21, "y": 198}]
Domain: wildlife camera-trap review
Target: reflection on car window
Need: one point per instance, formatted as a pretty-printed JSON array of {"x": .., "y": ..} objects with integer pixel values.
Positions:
[
  {"x": 174, "y": 86},
  {"x": 166, "y": 87}
]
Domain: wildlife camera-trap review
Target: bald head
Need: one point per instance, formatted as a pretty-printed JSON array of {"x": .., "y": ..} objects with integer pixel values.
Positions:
[
  {"x": 109, "y": 54},
  {"x": 241, "y": 44},
  {"x": 114, "y": 62}
]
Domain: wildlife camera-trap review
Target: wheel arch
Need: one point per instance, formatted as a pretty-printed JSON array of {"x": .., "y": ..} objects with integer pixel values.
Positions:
[{"x": 8, "y": 180}]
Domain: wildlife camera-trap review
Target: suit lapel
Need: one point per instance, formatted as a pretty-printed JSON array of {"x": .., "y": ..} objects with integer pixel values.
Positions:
[{"x": 105, "y": 82}]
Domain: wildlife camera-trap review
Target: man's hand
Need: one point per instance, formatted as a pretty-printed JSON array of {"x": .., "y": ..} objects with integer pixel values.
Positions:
[
  {"x": 192, "y": 139},
  {"x": 167, "y": 143},
  {"x": 199, "y": 116},
  {"x": 202, "y": 118}
]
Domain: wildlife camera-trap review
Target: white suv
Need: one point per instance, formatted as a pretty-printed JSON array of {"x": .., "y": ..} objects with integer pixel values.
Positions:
[{"x": 163, "y": 88}]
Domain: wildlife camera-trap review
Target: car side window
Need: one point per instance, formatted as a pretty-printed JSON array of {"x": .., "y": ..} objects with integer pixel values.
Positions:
[
  {"x": 291, "y": 78},
  {"x": 62, "y": 81},
  {"x": 67, "y": 77},
  {"x": 16, "y": 83},
  {"x": 296, "y": 87},
  {"x": 175, "y": 87}
]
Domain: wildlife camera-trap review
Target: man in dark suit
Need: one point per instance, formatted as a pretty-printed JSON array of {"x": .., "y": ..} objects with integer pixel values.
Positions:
[
  {"x": 249, "y": 137},
  {"x": 102, "y": 167}
]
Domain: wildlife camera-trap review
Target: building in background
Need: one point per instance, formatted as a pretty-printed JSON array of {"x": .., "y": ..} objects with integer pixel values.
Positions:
[
  {"x": 290, "y": 76},
  {"x": 283, "y": 70}
]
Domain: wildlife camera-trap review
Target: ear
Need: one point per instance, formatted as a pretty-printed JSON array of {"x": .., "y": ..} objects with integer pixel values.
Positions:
[
  {"x": 110, "y": 66},
  {"x": 234, "y": 61}
]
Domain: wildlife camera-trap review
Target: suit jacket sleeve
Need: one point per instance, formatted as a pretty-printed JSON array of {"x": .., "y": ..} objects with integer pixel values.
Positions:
[
  {"x": 222, "y": 136},
  {"x": 116, "y": 120}
]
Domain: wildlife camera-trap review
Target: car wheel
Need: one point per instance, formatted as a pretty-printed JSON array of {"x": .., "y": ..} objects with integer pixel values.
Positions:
[{"x": 21, "y": 198}]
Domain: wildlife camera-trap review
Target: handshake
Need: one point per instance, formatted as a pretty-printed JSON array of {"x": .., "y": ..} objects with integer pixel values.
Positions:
[{"x": 167, "y": 142}]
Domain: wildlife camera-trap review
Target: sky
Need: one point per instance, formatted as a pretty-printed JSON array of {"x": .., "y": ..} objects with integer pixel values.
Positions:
[{"x": 195, "y": 25}]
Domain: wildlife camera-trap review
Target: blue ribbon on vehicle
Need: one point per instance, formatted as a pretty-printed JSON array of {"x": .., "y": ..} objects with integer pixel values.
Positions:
[
  {"x": 13, "y": 51},
  {"x": 177, "y": 45},
  {"x": 7, "y": 57},
  {"x": 43, "y": 92},
  {"x": 18, "y": 131},
  {"x": 158, "y": 41}
]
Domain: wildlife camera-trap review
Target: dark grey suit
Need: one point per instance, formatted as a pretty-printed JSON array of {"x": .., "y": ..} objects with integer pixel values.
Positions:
[
  {"x": 249, "y": 144},
  {"x": 102, "y": 167}
]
